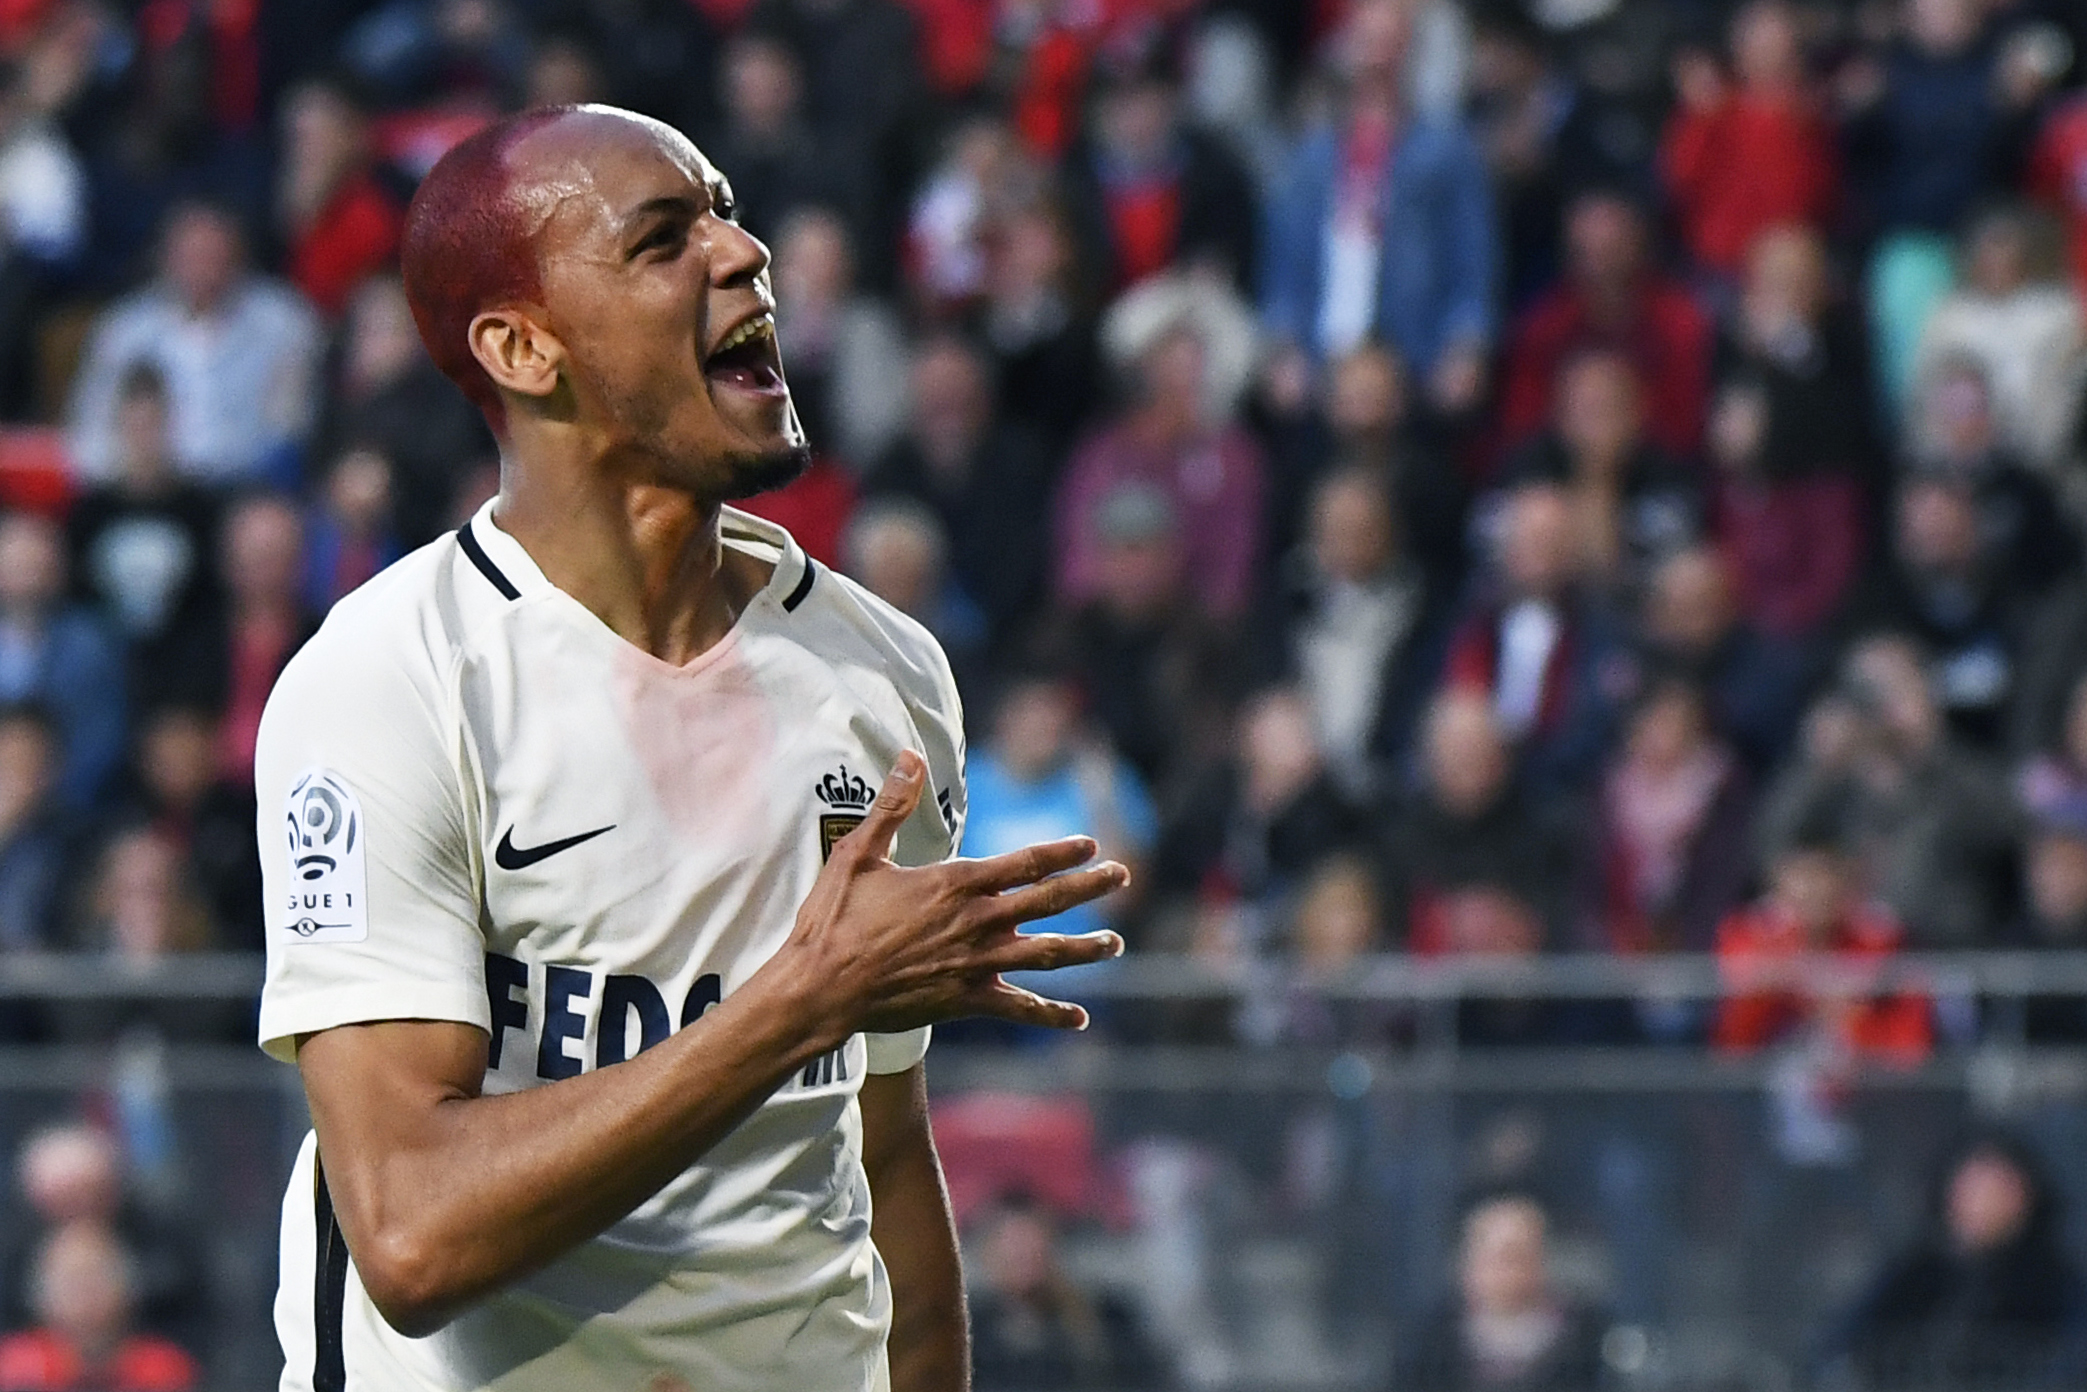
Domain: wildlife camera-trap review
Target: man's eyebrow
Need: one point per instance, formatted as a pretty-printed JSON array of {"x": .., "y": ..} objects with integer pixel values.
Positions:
[{"x": 655, "y": 207}]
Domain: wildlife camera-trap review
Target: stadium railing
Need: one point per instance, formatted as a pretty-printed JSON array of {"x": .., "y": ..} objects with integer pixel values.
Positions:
[{"x": 1284, "y": 1215}]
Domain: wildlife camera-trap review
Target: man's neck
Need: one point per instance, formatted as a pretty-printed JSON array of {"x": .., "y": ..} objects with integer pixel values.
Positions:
[{"x": 644, "y": 558}]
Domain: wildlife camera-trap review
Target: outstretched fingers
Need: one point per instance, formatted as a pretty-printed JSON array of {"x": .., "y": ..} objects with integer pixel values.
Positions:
[
  {"x": 1013, "y": 869},
  {"x": 1004, "y": 1002},
  {"x": 1050, "y": 951},
  {"x": 1060, "y": 892}
]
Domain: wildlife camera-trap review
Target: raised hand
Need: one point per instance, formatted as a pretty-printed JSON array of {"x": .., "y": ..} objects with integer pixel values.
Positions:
[{"x": 909, "y": 947}]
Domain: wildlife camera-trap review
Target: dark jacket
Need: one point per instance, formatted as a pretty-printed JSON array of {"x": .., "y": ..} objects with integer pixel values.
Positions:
[
  {"x": 1437, "y": 1359},
  {"x": 1937, "y": 1317}
]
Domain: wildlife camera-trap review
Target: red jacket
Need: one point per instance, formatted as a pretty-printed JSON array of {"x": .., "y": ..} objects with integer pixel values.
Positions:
[
  {"x": 356, "y": 234},
  {"x": 42, "y": 1361},
  {"x": 1749, "y": 165},
  {"x": 1792, "y": 548},
  {"x": 1667, "y": 340},
  {"x": 1896, "y": 1028},
  {"x": 2058, "y": 176}
]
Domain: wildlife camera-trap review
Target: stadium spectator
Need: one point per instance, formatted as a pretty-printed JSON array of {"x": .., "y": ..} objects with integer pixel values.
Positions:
[
  {"x": 1931, "y": 129},
  {"x": 2058, "y": 175},
  {"x": 177, "y": 789},
  {"x": 1508, "y": 1328},
  {"x": 2013, "y": 315},
  {"x": 1814, "y": 907},
  {"x": 896, "y": 548},
  {"x": 140, "y": 543},
  {"x": 983, "y": 176},
  {"x": 1359, "y": 625},
  {"x": 2054, "y": 884},
  {"x": 1992, "y": 1255},
  {"x": 1034, "y": 1327},
  {"x": 1382, "y": 226},
  {"x": 1038, "y": 329},
  {"x": 59, "y": 655},
  {"x": 1946, "y": 585},
  {"x": 2024, "y": 525},
  {"x": 1611, "y": 297},
  {"x": 1245, "y": 839},
  {"x": 1042, "y": 772},
  {"x": 1633, "y": 505},
  {"x": 43, "y": 215},
  {"x": 1789, "y": 340},
  {"x": 83, "y": 1339},
  {"x": 1750, "y": 149},
  {"x": 1368, "y": 424},
  {"x": 1792, "y": 535},
  {"x": 1539, "y": 645},
  {"x": 43, "y": 188},
  {"x": 842, "y": 342},
  {"x": 2055, "y": 778},
  {"x": 339, "y": 224},
  {"x": 35, "y": 836},
  {"x": 138, "y": 906},
  {"x": 72, "y": 1172},
  {"x": 1549, "y": 137},
  {"x": 2054, "y": 919},
  {"x": 1150, "y": 191},
  {"x": 265, "y": 621},
  {"x": 777, "y": 161},
  {"x": 1209, "y": 469},
  {"x": 1931, "y": 824},
  {"x": 1931, "y": 132},
  {"x": 1754, "y": 685},
  {"x": 1466, "y": 834},
  {"x": 386, "y": 395},
  {"x": 238, "y": 352},
  {"x": 1156, "y": 669},
  {"x": 348, "y": 532},
  {"x": 862, "y": 84},
  {"x": 989, "y": 482},
  {"x": 1674, "y": 809}
]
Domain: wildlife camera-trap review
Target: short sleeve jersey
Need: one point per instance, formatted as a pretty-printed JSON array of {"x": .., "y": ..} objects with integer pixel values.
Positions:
[{"x": 479, "y": 804}]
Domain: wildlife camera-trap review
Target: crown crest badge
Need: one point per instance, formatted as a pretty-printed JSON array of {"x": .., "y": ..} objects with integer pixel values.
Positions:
[{"x": 845, "y": 790}]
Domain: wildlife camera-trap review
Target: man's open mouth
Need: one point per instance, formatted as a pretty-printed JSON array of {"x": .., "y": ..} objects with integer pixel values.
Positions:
[{"x": 747, "y": 359}]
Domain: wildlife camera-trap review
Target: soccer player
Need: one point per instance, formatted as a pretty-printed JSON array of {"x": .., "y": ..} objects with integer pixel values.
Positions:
[{"x": 608, "y": 853}]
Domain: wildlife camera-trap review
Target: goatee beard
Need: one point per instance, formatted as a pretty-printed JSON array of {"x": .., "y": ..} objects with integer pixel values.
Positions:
[{"x": 762, "y": 473}]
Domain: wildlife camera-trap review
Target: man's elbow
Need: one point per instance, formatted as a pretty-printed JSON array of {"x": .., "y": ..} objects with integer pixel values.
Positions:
[{"x": 410, "y": 1282}]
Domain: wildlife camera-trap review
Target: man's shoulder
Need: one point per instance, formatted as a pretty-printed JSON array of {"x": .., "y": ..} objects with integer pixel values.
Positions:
[
  {"x": 853, "y": 622},
  {"x": 402, "y": 631}
]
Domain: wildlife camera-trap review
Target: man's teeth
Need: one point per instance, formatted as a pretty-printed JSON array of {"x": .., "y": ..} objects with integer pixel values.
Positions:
[{"x": 760, "y": 326}]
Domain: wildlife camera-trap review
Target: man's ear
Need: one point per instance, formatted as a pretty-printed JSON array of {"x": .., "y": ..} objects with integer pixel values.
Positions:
[{"x": 519, "y": 354}]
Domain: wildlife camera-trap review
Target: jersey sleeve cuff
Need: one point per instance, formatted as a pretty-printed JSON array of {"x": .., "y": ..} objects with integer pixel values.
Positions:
[
  {"x": 895, "y": 1053},
  {"x": 283, "y": 1020}
]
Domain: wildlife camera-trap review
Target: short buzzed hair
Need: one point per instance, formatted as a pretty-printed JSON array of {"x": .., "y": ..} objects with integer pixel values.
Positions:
[{"x": 469, "y": 245}]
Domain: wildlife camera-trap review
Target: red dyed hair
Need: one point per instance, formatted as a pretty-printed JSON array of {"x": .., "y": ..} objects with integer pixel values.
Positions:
[{"x": 470, "y": 245}]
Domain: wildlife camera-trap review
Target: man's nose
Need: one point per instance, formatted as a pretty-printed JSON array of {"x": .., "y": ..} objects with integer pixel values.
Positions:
[{"x": 737, "y": 256}]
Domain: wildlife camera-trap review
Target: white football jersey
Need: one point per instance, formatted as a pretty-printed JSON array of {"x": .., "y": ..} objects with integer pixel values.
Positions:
[{"x": 478, "y": 803}]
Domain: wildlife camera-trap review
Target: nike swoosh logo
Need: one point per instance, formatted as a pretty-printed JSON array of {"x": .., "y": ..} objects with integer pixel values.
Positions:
[{"x": 508, "y": 856}]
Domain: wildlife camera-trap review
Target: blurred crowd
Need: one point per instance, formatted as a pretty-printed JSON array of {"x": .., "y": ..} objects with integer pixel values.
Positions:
[
  {"x": 1431, "y": 476},
  {"x": 1443, "y": 477}
]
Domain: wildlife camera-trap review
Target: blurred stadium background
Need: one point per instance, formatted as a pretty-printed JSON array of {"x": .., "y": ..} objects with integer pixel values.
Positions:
[{"x": 1548, "y": 531}]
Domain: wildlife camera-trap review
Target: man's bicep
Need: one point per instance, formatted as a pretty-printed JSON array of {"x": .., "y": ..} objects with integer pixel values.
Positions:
[{"x": 375, "y": 1093}]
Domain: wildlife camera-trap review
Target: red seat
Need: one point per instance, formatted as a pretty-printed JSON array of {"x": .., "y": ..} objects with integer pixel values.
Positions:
[
  {"x": 994, "y": 1144},
  {"x": 35, "y": 471}
]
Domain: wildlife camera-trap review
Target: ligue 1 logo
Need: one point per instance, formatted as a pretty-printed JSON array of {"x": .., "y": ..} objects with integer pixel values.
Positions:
[{"x": 323, "y": 825}]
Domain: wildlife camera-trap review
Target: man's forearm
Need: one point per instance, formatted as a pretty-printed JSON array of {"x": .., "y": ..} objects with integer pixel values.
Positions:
[
  {"x": 446, "y": 1195},
  {"x": 930, "y": 1347}
]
